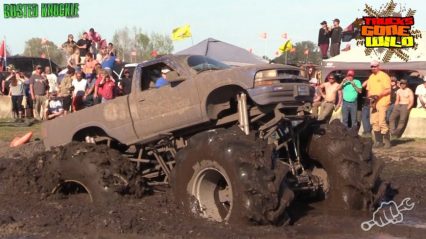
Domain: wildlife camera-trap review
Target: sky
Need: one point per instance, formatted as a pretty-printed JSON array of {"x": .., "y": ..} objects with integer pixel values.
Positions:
[{"x": 239, "y": 22}]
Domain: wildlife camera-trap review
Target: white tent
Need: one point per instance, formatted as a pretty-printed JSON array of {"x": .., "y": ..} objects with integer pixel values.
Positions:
[{"x": 356, "y": 59}]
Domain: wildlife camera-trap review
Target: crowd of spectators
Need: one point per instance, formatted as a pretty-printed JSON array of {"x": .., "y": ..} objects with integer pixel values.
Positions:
[
  {"x": 87, "y": 80},
  {"x": 385, "y": 107}
]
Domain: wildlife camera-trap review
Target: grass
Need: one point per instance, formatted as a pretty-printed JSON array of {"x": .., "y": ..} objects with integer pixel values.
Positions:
[{"x": 9, "y": 130}]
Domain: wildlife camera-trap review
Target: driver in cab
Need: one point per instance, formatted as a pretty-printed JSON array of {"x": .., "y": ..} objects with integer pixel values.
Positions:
[{"x": 162, "y": 81}]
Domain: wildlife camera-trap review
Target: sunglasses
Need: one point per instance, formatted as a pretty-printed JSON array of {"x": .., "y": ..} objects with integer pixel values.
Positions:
[{"x": 373, "y": 66}]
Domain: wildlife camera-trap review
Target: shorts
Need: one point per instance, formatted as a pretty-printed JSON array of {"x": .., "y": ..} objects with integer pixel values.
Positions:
[{"x": 66, "y": 102}]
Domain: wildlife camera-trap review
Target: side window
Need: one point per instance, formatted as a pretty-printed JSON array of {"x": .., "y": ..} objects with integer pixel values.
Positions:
[{"x": 155, "y": 76}]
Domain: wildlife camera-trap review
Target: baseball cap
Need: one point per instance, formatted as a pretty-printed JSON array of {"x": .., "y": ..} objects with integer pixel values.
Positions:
[
  {"x": 350, "y": 73},
  {"x": 165, "y": 70},
  {"x": 313, "y": 81},
  {"x": 374, "y": 63},
  {"x": 323, "y": 22}
]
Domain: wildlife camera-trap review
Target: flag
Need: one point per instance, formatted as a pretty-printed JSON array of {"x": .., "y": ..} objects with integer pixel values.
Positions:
[
  {"x": 181, "y": 33},
  {"x": 263, "y": 35},
  {"x": 2, "y": 56},
  {"x": 352, "y": 31},
  {"x": 154, "y": 53},
  {"x": 287, "y": 46}
]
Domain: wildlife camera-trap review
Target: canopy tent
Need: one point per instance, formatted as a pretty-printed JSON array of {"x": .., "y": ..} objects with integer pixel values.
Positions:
[
  {"x": 356, "y": 59},
  {"x": 224, "y": 52}
]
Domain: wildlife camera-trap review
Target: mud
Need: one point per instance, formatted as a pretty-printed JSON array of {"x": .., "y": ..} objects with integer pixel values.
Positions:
[{"x": 29, "y": 211}]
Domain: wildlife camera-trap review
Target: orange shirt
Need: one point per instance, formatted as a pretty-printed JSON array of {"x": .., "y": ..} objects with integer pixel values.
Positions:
[
  {"x": 89, "y": 66},
  {"x": 376, "y": 84}
]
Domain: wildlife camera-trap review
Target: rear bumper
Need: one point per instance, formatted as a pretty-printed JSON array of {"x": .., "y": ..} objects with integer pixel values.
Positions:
[{"x": 293, "y": 94}]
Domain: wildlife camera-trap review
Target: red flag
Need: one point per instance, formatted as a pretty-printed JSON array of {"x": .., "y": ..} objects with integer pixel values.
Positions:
[
  {"x": 154, "y": 53},
  {"x": 2, "y": 55},
  {"x": 263, "y": 35}
]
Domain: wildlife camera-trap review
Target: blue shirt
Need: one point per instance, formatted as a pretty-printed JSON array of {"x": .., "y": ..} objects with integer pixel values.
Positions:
[
  {"x": 109, "y": 62},
  {"x": 161, "y": 82}
]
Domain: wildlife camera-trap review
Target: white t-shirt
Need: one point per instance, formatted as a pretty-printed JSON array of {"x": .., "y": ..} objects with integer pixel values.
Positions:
[
  {"x": 55, "y": 106},
  {"x": 79, "y": 86},
  {"x": 53, "y": 82},
  {"x": 421, "y": 92}
]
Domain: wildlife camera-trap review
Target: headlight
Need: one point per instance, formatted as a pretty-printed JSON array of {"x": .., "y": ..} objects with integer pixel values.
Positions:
[
  {"x": 266, "y": 74},
  {"x": 266, "y": 78}
]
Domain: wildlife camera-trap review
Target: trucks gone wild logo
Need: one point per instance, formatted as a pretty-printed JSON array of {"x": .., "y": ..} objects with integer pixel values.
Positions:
[{"x": 388, "y": 31}]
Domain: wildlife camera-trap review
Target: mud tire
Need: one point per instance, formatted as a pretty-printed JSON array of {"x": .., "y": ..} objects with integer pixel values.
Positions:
[
  {"x": 352, "y": 169},
  {"x": 258, "y": 189},
  {"x": 95, "y": 167}
]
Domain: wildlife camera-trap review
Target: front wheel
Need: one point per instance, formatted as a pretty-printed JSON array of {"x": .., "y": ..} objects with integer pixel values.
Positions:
[{"x": 226, "y": 176}]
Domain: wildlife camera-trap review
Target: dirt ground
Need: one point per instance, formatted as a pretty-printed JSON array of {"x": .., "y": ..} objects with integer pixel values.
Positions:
[{"x": 28, "y": 210}]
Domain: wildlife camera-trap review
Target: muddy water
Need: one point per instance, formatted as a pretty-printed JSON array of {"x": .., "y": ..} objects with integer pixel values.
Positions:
[{"x": 27, "y": 213}]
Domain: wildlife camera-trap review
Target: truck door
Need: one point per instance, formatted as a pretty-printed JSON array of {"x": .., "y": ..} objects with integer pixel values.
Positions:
[{"x": 164, "y": 109}]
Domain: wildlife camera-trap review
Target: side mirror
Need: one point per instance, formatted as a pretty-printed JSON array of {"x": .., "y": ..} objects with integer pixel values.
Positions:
[{"x": 174, "y": 77}]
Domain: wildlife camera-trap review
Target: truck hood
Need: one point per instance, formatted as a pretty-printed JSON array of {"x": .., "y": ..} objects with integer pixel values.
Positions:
[{"x": 241, "y": 75}]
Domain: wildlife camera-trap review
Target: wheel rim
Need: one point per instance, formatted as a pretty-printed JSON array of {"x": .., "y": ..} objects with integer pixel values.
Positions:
[
  {"x": 213, "y": 192},
  {"x": 58, "y": 187}
]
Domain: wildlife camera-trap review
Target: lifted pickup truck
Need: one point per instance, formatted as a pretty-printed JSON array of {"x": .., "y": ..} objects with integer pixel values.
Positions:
[{"x": 234, "y": 143}]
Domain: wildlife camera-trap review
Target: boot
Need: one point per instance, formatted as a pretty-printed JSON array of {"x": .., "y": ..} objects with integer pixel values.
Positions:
[
  {"x": 386, "y": 139},
  {"x": 378, "y": 138}
]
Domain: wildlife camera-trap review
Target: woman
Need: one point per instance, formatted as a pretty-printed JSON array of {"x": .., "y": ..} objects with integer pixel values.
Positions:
[
  {"x": 16, "y": 92},
  {"x": 74, "y": 60}
]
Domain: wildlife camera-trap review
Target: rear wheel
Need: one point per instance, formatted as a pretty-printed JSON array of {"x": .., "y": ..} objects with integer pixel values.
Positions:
[
  {"x": 100, "y": 171},
  {"x": 224, "y": 175},
  {"x": 351, "y": 168}
]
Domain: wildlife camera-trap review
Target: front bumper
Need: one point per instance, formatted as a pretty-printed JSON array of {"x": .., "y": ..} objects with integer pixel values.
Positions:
[{"x": 291, "y": 94}]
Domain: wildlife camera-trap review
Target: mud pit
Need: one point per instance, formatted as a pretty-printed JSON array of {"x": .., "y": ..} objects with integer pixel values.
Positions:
[{"x": 30, "y": 211}]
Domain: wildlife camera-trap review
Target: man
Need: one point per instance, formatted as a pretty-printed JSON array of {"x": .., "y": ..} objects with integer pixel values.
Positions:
[
  {"x": 317, "y": 97},
  {"x": 394, "y": 89},
  {"x": 55, "y": 108},
  {"x": 51, "y": 79},
  {"x": 39, "y": 90},
  {"x": 89, "y": 65},
  {"x": 421, "y": 95},
  {"x": 331, "y": 93},
  {"x": 69, "y": 46},
  {"x": 125, "y": 84},
  {"x": 403, "y": 104},
  {"x": 350, "y": 88},
  {"x": 324, "y": 39},
  {"x": 65, "y": 89},
  {"x": 379, "y": 88},
  {"x": 96, "y": 39},
  {"x": 80, "y": 85},
  {"x": 162, "y": 81},
  {"x": 336, "y": 38},
  {"x": 84, "y": 45}
]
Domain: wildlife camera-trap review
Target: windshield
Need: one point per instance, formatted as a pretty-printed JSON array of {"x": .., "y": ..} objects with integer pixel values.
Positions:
[{"x": 202, "y": 63}]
